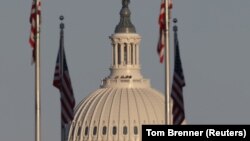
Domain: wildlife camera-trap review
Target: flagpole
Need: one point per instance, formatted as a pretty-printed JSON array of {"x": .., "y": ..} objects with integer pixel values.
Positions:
[
  {"x": 61, "y": 71},
  {"x": 167, "y": 65},
  {"x": 37, "y": 77}
]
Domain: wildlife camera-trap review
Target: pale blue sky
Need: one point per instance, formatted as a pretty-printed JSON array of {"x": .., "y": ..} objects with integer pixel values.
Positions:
[{"x": 214, "y": 44}]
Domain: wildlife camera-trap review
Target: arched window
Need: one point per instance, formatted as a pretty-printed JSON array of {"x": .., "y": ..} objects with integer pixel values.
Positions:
[
  {"x": 79, "y": 131},
  {"x": 95, "y": 130},
  {"x": 114, "y": 130},
  {"x": 86, "y": 131},
  {"x": 125, "y": 54},
  {"x": 132, "y": 53},
  {"x": 104, "y": 130},
  {"x": 125, "y": 130},
  {"x": 136, "y": 130},
  {"x": 119, "y": 54}
]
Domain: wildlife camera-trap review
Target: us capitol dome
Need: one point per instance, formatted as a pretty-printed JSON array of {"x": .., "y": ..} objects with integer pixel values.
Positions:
[{"x": 125, "y": 100}]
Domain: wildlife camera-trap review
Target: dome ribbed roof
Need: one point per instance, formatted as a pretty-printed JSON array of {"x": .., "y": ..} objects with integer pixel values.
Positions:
[{"x": 125, "y": 109}]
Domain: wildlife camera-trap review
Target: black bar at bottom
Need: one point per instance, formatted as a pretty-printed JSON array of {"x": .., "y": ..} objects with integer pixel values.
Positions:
[{"x": 196, "y": 132}]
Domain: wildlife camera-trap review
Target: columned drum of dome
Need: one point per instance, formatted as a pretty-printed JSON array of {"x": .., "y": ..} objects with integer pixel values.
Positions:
[{"x": 125, "y": 100}]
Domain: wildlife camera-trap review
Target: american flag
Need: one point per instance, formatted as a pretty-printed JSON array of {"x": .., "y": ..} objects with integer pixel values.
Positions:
[
  {"x": 162, "y": 25},
  {"x": 33, "y": 20},
  {"x": 63, "y": 83},
  {"x": 177, "y": 86}
]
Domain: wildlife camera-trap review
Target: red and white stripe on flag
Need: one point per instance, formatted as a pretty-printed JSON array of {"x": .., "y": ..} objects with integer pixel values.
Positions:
[
  {"x": 170, "y": 4},
  {"x": 162, "y": 25},
  {"x": 63, "y": 83},
  {"x": 33, "y": 19},
  {"x": 177, "y": 86}
]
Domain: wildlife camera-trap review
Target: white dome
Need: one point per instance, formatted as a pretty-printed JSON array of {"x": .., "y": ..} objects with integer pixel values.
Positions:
[
  {"x": 125, "y": 101},
  {"x": 110, "y": 114}
]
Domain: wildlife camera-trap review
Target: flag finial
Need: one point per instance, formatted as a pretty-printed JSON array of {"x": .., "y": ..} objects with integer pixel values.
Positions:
[
  {"x": 175, "y": 26},
  {"x": 61, "y": 19},
  {"x": 175, "y": 20}
]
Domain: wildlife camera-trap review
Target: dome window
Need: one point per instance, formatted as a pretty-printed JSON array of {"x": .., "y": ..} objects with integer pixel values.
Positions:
[
  {"x": 114, "y": 130},
  {"x": 86, "y": 131},
  {"x": 125, "y": 130},
  {"x": 136, "y": 130},
  {"x": 104, "y": 130},
  {"x": 79, "y": 131},
  {"x": 132, "y": 53},
  {"x": 119, "y": 54},
  {"x": 95, "y": 130},
  {"x": 125, "y": 54}
]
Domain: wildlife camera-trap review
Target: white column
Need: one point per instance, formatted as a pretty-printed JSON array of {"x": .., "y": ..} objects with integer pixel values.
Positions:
[
  {"x": 116, "y": 55},
  {"x": 131, "y": 54},
  {"x": 137, "y": 53},
  {"x": 113, "y": 57},
  {"x": 122, "y": 54},
  {"x": 134, "y": 53}
]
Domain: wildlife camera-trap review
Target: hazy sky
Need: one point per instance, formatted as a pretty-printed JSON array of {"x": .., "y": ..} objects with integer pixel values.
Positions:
[{"x": 214, "y": 44}]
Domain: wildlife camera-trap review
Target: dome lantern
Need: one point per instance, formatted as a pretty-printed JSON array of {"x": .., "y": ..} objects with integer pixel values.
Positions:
[{"x": 125, "y": 67}]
